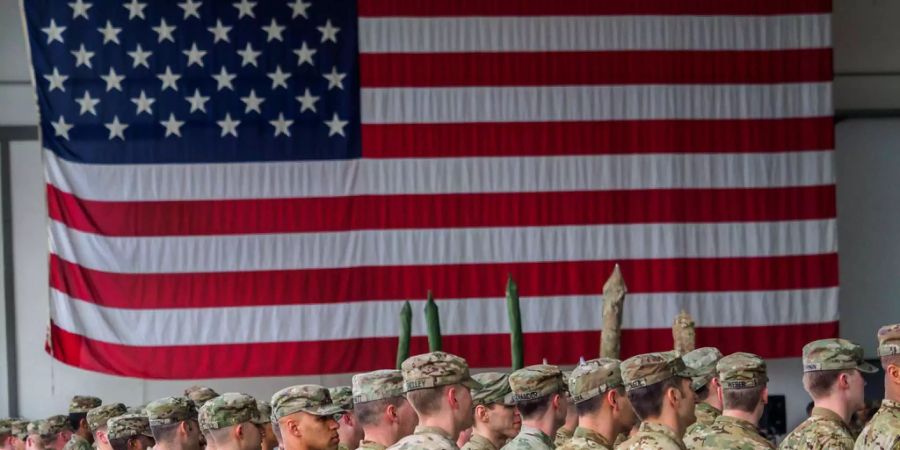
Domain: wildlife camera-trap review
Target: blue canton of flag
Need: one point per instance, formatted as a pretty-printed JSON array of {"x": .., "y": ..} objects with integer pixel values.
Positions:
[{"x": 196, "y": 81}]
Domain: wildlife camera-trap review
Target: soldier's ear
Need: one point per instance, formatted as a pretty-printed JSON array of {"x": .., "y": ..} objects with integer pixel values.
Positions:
[{"x": 612, "y": 397}]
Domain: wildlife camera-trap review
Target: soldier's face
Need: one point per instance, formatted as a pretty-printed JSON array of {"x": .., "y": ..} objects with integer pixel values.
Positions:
[
  {"x": 464, "y": 406},
  {"x": 625, "y": 416},
  {"x": 686, "y": 405},
  {"x": 318, "y": 432},
  {"x": 504, "y": 420},
  {"x": 857, "y": 392},
  {"x": 407, "y": 419}
]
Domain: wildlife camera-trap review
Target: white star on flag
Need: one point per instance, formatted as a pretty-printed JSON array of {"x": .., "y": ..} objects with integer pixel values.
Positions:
[
  {"x": 116, "y": 129},
  {"x": 173, "y": 127},
  {"x": 304, "y": 55},
  {"x": 335, "y": 79},
  {"x": 329, "y": 32},
  {"x": 169, "y": 80},
  {"x": 194, "y": 55},
  {"x": 220, "y": 32},
  {"x": 113, "y": 80},
  {"x": 252, "y": 102},
  {"x": 61, "y": 128},
  {"x": 164, "y": 31},
  {"x": 336, "y": 125},
  {"x": 279, "y": 78},
  {"x": 140, "y": 57},
  {"x": 307, "y": 101},
  {"x": 135, "y": 9},
  {"x": 144, "y": 104},
  {"x": 298, "y": 8},
  {"x": 80, "y": 9},
  {"x": 223, "y": 79},
  {"x": 191, "y": 8},
  {"x": 54, "y": 33},
  {"x": 245, "y": 8},
  {"x": 282, "y": 126},
  {"x": 88, "y": 104},
  {"x": 83, "y": 57},
  {"x": 56, "y": 80},
  {"x": 228, "y": 125},
  {"x": 110, "y": 33},
  {"x": 273, "y": 31},
  {"x": 197, "y": 101},
  {"x": 248, "y": 55}
]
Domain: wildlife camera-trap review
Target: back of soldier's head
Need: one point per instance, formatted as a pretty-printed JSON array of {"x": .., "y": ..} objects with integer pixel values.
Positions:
[
  {"x": 591, "y": 381},
  {"x": 230, "y": 421},
  {"x": 649, "y": 377},
  {"x": 535, "y": 388},
  {"x": 889, "y": 352},
  {"x": 373, "y": 392},
  {"x": 427, "y": 377},
  {"x": 743, "y": 377},
  {"x": 173, "y": 421},
  {"x": 825, "y": 360},
  {"x": 129, "y": 432}
]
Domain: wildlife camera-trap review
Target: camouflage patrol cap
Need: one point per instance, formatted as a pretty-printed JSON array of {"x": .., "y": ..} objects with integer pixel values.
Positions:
[
  {"x": 139, "y": 409},
  {"x": 377, "y": 385},
  {"x": 834, "y": 354},
  {"x": 97, "y": 417},
  {"x": 83, "y": 403},
  {"x": 593, "y": 378},
  {"x": 34, "y": 427},
  {"x": 494, "y": 389},
  {"x": 169, "y": 410},
  {"x": 226, "y": 410},
  {"x": 741, "y": 371},
  {"x": 536, "y": 381},
  {"x": 309, "y": 398},
  {"x": 435, "y": 369},
  {"x": 127, "y": 426},
  {"x": 5, "y": 426},
  {"x": 651, "y": 368},
  {"x": 263, "y": 411},
  {"x": 342, "y": 396},
  {"x": 54, "y": 425},
  {"x": 889, "y": 340},
  {"x": 19, "y": 428},
  {"x": 703, "y": 360},
  {"x": 200, "y": 395}
]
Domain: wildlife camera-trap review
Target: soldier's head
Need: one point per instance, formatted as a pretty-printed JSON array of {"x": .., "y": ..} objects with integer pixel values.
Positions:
[
  {"x": 97, "y": 419},
  {"x": 743, "y": 378},
  {"x": 129, "y": 432},
  {"x": 306, "y": 417},
  {"x": 264, "y": 413},
  {"x": 540, "y": 393},
  {"x": 200, "y": 395},
  {"x": 380, "y": 406},
  {"x": 571, "y": 412},
  {"x": 889, "y": 351},
  {"x": 231, "y": 422},
  {"x": 18, "y": 434},
  {"x": 173, "y": 422},
  {"x": 50, "y": 433},
  {"x": 78, "y": 409},
  {"x": 598, "y": 392},
  {"x": 496, "y": 416},
  {"x": 350, "y": 431},
  {"x": 832, "y": 369},
  {"x": 659, "y": 388},
  {"x": 705, "y": 384},
  {"x": 438, "y": 384}
]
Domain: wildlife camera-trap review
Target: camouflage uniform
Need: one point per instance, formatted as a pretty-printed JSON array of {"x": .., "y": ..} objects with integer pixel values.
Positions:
[
  {"x": 128, "y": 426},
  {"x": 374, "y": 386},
  {"x": 428, "y": 371},
  {"x": 645, "y": 370},
  {"x": 738, "y": 371},
  {"x": 200, "y": 395},
  {"x": 562, "y": 436},
  {"x": 81, "y": 404},
  {"x": 703, "y": 361},
  {"x": 228, "y": 410},
  {"x": 307, "y": 398},
  {"x": 883, "y": 431},
  {"x": 169, "y": 410},
  {"x": 530, "y": 383},
  {"x": 589, "y": 380},
  {"x": 494, "y": 390},
  {"x": 825, "y": 429}
]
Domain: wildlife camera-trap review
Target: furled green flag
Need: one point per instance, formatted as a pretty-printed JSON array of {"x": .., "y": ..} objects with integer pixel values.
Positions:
[
  {"x": 405, "y": 333},
  {"x": 433, "y": 324},
  {"x": 515, "y": 324}
]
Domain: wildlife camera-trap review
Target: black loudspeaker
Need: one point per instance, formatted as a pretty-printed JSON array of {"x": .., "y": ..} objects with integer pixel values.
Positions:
[{"x": 774, "y": 418}]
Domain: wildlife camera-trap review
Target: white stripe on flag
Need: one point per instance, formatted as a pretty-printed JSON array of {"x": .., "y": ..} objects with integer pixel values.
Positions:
[
  {"x": 585, "y": 33},
  {"x": 155, "y": 182},
  {"x": 203, "y": 326},
  {"x": 580, "y": 103},
  {"x": 440, "y": 246}
]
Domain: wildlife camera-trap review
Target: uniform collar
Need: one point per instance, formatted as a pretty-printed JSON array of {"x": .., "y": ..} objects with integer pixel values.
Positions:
[
  {"x": 826, "y": 414},
  {"x": 371, "y": 444},
  {"x": 734, "y": 421},
  {"x": 593, "y": 436},
  {"x": 434, "y": 430},
  {"x": 706, "y": 407},
  {"x": 889, "y": 404},
  {"x": 481, "y": 441},
  {"x": 537, "y": 433},
  {"x": 659, "y": 428}
]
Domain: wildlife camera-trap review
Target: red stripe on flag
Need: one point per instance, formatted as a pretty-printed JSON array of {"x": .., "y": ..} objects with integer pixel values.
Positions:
[
  {"x": 419, "y": 8},
  {"x": 594, "y": 68},
  {"x": 358, "y": 355},
  {"x": 294, "y": 215},
  {"x": 210, "y": 290},
  {"x": 589, "y": 138}
]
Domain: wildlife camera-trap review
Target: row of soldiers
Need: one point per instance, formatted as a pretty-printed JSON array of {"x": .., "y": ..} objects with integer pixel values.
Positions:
[{"x": 700, "y": 400}]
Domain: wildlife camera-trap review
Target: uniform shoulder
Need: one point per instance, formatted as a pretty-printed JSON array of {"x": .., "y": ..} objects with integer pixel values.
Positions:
[
  {"x": 695, "y": 434},
  {"x": 815, "y": 433},
  {"x": 882, "y": 432},
  {"x": 76, "y": 442},
  {"x": 423, "y": 441},
  {"x": 648, "y": 442}
]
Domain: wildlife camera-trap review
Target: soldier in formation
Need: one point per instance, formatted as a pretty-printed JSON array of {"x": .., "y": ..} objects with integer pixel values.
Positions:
[
  {"x": 707, "y": 390},
  {"x": 381, "y": 409},
  {"x": 604, "y": 411},
  {"x": 231, "y": 422},
  {"x": 349, "y": 432},
  {"x": 173, "y": 422},
  {"x": 82, "y": 437},
  {"x": 540, "y": 395},
  {"x": 264, "y": 411},
  {"x": 496, "y": 418},
  {"x": 129, "y": 432},
  {"x": 883, "y": 431}
]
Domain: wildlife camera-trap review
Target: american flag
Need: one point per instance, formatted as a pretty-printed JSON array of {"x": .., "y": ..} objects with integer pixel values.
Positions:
[{"x": 249, "y": 188}]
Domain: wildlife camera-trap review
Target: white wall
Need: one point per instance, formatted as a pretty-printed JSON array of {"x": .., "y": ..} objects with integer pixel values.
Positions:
[{"x": 868, "y": 163}]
